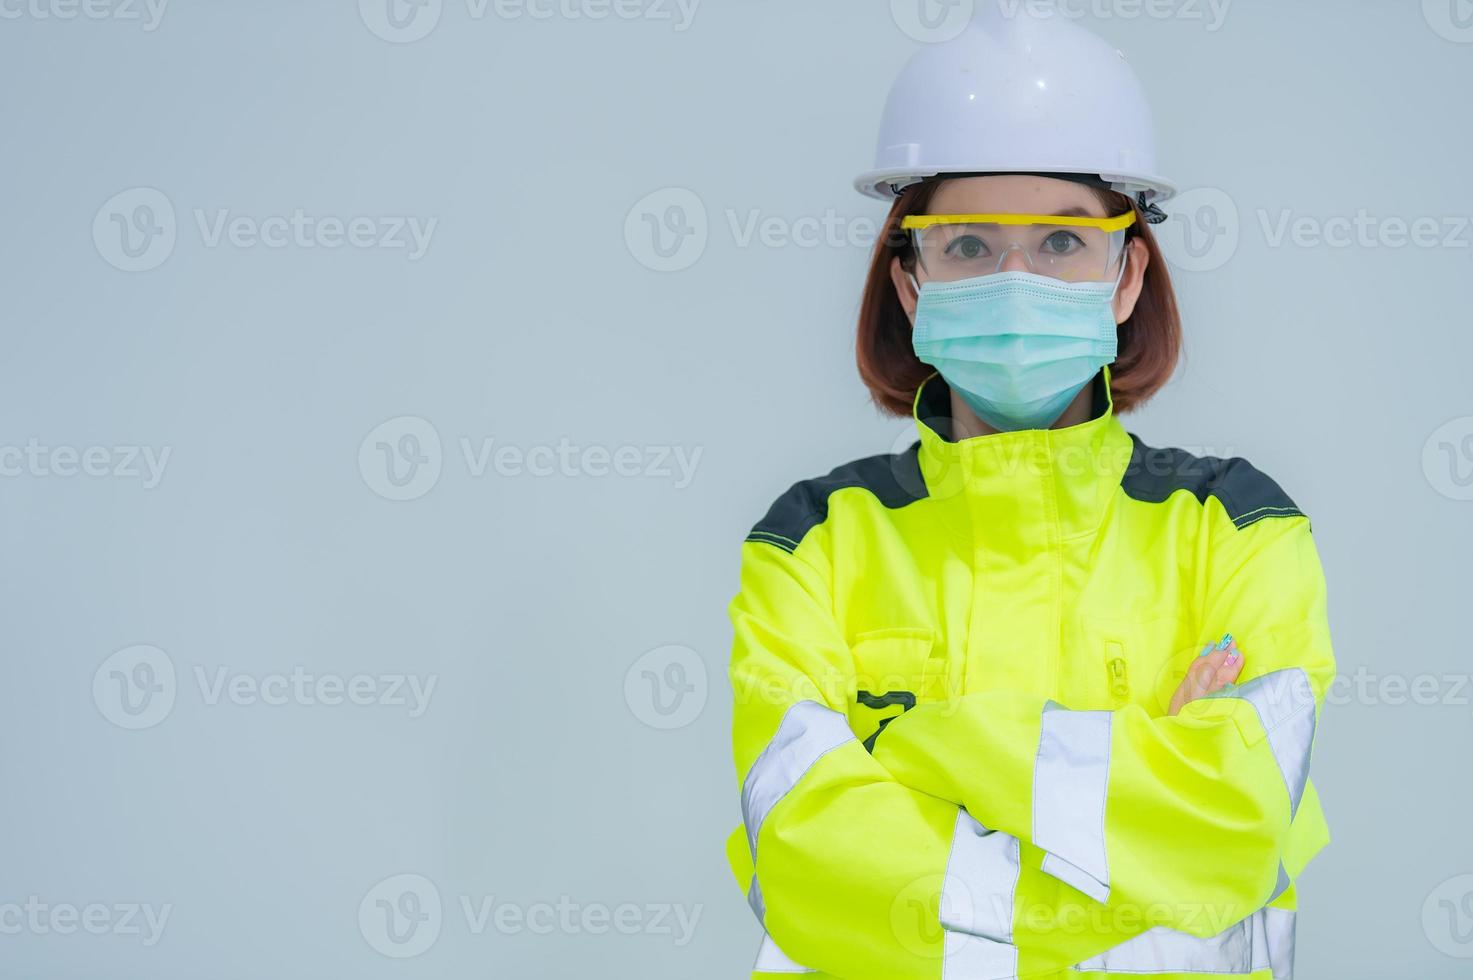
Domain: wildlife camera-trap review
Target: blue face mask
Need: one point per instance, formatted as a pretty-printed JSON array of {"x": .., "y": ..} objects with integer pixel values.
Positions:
[{"x": 1016, "y": 346}]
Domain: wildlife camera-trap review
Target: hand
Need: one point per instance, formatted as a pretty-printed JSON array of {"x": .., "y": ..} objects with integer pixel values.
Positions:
[{"x": 1216, "y": 666}]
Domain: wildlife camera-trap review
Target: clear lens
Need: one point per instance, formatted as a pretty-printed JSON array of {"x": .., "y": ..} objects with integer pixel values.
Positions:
[{"x": 1072, "y": 253}]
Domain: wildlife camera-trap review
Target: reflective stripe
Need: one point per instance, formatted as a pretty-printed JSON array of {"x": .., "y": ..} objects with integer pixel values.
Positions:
[
  {"x": 1284, "y": 701},
  {"x": 1285, "y": 705},
  {"x": 1263, "y": 940},
  {"x": 1282, "y": 883},
  {"x": 977, "y": 903},
  {"x": 1071, "y": 775},
  {"x": 974, "y": 958},
  {"x": 808, "y": 732},
  {"x": 981, "y": 877},
  {"x": 754, "y": 900},
  {"x": 771, "y": 959},
  {"x": 1279, "y": 927}
]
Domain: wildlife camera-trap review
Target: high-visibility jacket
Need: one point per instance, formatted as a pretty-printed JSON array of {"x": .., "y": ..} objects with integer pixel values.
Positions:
[{"x": 951, "y": 670}]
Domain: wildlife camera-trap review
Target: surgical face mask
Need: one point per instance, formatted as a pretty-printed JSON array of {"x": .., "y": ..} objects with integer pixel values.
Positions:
[{"x": 1018, "y": 347}]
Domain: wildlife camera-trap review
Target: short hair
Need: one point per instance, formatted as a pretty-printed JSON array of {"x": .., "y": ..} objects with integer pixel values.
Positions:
[{"x": 1149, "y": 339}]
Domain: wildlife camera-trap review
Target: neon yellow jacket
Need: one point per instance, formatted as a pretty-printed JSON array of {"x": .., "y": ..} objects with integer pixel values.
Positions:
[{"x": 951, "y": 669}]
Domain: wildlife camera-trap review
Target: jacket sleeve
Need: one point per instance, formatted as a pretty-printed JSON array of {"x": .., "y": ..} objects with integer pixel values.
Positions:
[
  {"x": 1204, "y": 816},
  {"x": 850, "y": 865}
]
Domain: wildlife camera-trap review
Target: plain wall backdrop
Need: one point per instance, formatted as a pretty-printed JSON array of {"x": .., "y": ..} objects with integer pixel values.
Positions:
[{"x": 387, "y": 388}]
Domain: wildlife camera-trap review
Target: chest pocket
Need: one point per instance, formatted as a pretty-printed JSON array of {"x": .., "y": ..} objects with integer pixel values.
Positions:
[{"x": 896, "y": 668}]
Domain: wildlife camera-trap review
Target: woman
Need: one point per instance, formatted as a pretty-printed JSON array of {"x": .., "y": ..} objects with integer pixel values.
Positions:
[{"x": 1030, "y": 698}]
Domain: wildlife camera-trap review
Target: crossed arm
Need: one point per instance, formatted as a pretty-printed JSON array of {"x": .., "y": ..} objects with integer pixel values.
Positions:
[{"x": 983, "y": 826}]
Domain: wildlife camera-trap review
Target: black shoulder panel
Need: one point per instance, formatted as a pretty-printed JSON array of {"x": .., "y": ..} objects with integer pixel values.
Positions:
[
  {"x": 1247, "y": 493},
  {"x": 893, "y": 478}
]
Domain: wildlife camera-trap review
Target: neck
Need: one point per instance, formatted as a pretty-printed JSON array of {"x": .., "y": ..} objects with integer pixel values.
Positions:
[{"x": 1081, "y": 409}]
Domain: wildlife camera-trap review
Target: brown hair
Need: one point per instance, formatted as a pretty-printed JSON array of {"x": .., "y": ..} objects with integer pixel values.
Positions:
[{"x": 1150, "y": 338}]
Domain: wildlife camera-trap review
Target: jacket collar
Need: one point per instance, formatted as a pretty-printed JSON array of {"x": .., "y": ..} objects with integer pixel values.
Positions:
[{"x": 1029, "y": 486}]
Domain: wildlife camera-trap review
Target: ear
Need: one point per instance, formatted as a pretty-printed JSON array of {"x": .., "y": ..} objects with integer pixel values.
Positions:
[
  {"x": 903, "y": 289},
  {"x": 1136, "y": 259}
]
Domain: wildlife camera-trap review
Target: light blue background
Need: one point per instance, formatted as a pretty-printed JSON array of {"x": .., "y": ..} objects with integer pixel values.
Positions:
[{"x": 537, "y": 314}]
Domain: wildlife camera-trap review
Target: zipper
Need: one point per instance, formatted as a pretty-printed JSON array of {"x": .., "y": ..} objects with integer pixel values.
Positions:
[{"x": 1115, "y": 672}]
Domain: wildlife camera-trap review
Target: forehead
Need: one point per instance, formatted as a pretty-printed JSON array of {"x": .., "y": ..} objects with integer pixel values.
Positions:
[{"x": 1013, "y": 194}]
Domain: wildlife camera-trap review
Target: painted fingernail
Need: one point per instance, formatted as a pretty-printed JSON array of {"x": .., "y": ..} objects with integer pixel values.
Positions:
[
  {"x": 1232, "y": 658},
  {"x": 1227, "y": 638},
  {"x": 1205, "y": 650}
]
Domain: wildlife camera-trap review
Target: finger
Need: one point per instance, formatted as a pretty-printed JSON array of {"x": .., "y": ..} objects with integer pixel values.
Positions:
[
  {"x": 1199, "y": 677},
  {"x": 1231, "y": 666},
  {"x": 1206, "y": 674}
]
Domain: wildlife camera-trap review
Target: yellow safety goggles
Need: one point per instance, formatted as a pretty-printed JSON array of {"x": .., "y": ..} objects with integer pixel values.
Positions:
[{"x": 1068, "y": 247}]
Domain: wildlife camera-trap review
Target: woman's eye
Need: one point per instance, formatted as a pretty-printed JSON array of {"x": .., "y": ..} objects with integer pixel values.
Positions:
[
  {"x": 1062, "y": 243},
  {"x": 966, "y": 247}
]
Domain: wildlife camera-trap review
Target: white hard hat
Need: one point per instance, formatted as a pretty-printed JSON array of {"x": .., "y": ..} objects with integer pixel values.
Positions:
[{"x": 1018, "y": 94}]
